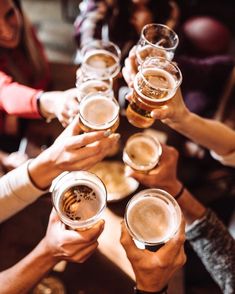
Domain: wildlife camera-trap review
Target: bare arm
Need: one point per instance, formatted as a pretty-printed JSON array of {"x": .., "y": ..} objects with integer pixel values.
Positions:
[{"x": 58, "y": 244}]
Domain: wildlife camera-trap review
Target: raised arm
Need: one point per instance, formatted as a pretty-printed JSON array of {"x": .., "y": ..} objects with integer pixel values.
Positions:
[
  {"x": 58, "y": 244},
  {"x": 70, "y": 151}
]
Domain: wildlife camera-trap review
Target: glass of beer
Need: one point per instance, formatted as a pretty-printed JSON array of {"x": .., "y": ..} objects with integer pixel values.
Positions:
[
  {"x": 155, "y": 84},
  {"x": 142, "y": 152},
  {"x": 79, "y": 198},
  {"x": 156, "y": 40},
  {"x": 152, "y": 217},
  {"x": 99, "y": 112},
  {"x": 87, "y": 86},
  {"x": 101, "y": 59}
]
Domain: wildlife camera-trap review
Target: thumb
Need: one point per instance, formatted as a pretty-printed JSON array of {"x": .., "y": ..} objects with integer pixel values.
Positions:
[
  {"x": 126, "y": 240},
  {"x": 54, "y": 217}
]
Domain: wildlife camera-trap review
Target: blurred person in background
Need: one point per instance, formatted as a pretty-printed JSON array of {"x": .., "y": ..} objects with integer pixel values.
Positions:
[
  {"x": 25, "y": 78},
  {"x": 121, "y": 21}
]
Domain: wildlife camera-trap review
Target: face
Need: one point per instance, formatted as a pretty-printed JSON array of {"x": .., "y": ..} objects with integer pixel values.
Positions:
[{"x": 10, "y": 24}]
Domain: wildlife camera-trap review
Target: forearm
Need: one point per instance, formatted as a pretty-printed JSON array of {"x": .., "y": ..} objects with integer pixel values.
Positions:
[
  {"x": 216, "y": 248},
  {"x": 20, "y": 278},
  {"x": 42, "y": 170},
  {"x": 192, "y": 209},
  {"x": 16, "y": 192},
  {"x": 209, "y": 133}
]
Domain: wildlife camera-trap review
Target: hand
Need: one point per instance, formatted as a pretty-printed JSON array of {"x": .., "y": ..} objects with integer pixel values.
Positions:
[
  {"x": 154, "y": 269},
  {"x": 64, "y": 244},
  {"x": 173, "y": 112},
  {"x": 71, "y": 152},
  {"x": 75, "y": 152},
  {"x": 13, "y": 160},
  {"x": 63, "y": 105},
  {"x": 164, "y": 175},
  {"x": 130, "y": 69}
]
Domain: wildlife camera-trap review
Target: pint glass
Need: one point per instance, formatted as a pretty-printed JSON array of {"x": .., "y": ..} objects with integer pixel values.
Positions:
[
  {"x": 152, "y": 217},
  {"x": 142, "y": 152},
  {"x": 155, "y": 84},
  {"x": 79, "y": 198},
  {"x": 156, "y": 40}
]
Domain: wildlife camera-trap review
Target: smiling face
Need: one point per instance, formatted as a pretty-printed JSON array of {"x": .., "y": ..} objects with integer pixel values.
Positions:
[{"x": 10, "y": 24}]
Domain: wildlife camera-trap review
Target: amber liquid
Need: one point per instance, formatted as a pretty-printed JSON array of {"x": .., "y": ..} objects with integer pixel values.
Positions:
[
  {"x": 80, "y": 203},
  {"x": 152, "y": 92}
]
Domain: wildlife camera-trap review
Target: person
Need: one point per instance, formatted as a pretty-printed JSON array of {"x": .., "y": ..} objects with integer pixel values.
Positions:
[
  {"x": 25, "y": 184},
  {"x": 207, "y": 235},
  {"x": 154, "y": 269},
  {"x": 109, "y": 19},
  {"x": 205, "y": 132},
  {"x": 24, "y": 75},
  {"x": 58, "y": 244}
]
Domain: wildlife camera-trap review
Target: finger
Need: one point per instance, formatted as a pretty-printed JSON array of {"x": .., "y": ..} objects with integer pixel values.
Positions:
[
  {"x": 129, "y": 95},
  {"x": 54, "y": 217},
  {"x": 127, "y": 77},
  {"x": 94, "y": 232},
  {"x": 87, "y": 138},
  {"x": 85, "y": 253},
  {"x": 161, "y": 113},
  {"x": 127, "y": 242},
  {"x": 173, "y": 246}
]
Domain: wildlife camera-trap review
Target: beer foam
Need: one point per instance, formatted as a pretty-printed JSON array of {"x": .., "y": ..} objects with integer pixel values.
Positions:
[
  {"x": 151, "y": 220},
  {"x": 100, "y": 59},
  {"x": 143, "y": 151},
  {"x": 98, "y": 111},
  {"x": 158, "y": 80},
  {"x": 93, "y": 86},
  {"x": 80, "y": 201}
]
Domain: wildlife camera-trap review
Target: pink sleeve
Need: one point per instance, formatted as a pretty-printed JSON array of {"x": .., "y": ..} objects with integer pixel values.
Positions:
[{"x": 17, "y": 99}]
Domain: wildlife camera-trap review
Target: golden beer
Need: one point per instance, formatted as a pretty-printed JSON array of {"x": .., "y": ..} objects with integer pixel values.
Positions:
[
  {"x": 142, "y": 152},
  {"x": 154, "y": 85},
  {"x": 99, "y": 112}
]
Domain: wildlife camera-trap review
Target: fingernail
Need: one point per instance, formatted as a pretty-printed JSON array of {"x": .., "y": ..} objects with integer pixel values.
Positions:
[
  {"x": 116, "y": 136},
  {"x": 152, "y": 113},
  {"x": 107, "y": 133}
]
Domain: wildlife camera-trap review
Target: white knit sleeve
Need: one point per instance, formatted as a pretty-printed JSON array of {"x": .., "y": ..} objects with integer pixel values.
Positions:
[{"x": 16, "y": 191}]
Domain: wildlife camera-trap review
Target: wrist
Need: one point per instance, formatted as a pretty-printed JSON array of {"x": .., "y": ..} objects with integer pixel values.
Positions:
[
  {"x": 139, "y": 291},
  {"x": 42, "y": 170},
  {"x": 182, "y": 119},
  {"x": 45, "y": 104}
]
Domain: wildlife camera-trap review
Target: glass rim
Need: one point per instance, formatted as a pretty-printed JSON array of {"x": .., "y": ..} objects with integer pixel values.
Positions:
[
  {"x": 80, "y": 223},
  {"x": 140, "y": 72},
  {"x": 103, "y": 125},
  {"x": 165, "y": 27},
  {"x": 108, "y": 81},
  {"x": 142, "y": 167},
  {"x": 104, "y": 42},
  {"x": 158, "y": 192}
]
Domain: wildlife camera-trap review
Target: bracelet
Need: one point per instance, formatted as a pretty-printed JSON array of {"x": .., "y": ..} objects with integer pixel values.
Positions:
[
  {"x": 163, "y": 291},
  {"x": 47, "y": 119},
  {"x": 181, "y": 191}
]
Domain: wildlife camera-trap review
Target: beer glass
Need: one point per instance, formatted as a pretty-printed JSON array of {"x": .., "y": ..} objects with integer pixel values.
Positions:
[
  {"x": 99, "y": 112},
  {"x": 142, "y": 152},
  {"x": 79, "y": 198},
  {"x": 100, "y": 59},
  {"x": 156, "y": 40},
  {"x": 86, "y": 85},
  {"x": 155, "y": 84},
  {"x": 152, "y": 217}
]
